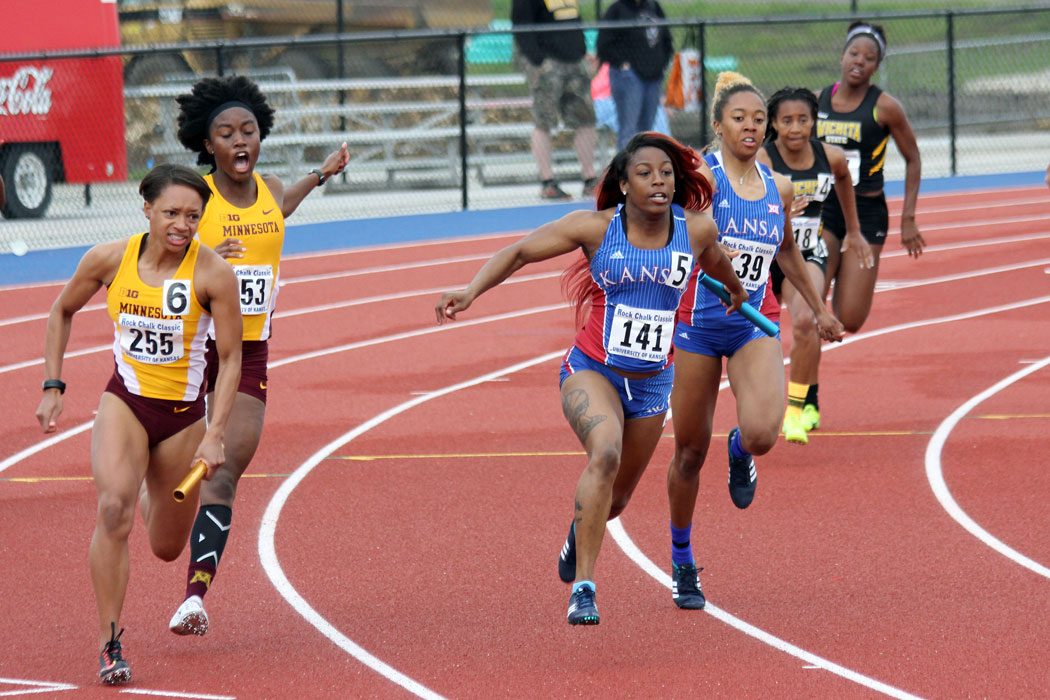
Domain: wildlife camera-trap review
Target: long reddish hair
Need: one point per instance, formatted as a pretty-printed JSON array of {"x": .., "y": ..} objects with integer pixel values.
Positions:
[{"x": 691, "y": 191}]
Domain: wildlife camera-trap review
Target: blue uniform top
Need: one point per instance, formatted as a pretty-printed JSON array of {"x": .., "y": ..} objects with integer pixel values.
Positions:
[
  {"x": 632, "y": 317},
  {"x": 753, "y": 227}
]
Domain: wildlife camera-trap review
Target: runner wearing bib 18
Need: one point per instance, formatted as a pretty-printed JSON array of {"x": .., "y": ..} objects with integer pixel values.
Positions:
[{"x": 816, "y": 170}]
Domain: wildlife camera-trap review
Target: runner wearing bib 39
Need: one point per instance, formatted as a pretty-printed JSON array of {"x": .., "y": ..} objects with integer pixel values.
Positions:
[
  {"x": 639, "y": 250},
  {"x": 814, "y": 168},
  {"x": 224, "y": 121},
  {"x": 750, "y": 206}
]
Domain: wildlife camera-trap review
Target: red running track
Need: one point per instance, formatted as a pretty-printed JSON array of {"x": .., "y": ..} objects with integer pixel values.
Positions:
[{"x": 397, "y": 532}]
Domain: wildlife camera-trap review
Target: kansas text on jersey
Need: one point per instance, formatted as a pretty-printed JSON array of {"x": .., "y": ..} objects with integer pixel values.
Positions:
[
  {"x": 755, "y": 228},
  {"x": 632, "y": 318}
]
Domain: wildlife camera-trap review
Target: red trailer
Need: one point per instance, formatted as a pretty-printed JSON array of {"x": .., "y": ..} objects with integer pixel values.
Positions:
[{"x": 61, "y": 119}]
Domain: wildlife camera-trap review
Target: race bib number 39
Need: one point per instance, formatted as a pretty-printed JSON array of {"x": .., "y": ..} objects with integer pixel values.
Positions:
[
  {"x": 256, "y": 282},
  {"x": 642, "y": 334},
  {"x": 152, "y": 341},
  {"x": 752, "y": 263}
]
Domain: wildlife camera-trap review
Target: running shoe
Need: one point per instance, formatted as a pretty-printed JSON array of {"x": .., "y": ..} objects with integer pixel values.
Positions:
[
  {"x": 590, "y": 187},
  {"x": 113, "y": 669},
  {"x": 685, "y": 587},
  {"x": 567, "y": 558},
  {"x": 743, "y": 477},
  {"x": 793, "y": 430},
  {"x": 190, "y": 618},
  {"x": 582, "y": 610},
  {"x": 810, "y": 417}
]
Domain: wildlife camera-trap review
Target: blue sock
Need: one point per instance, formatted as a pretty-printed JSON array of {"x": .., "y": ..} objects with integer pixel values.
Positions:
[
  {"x": 589, "y": 584},
  {"x": 736, "y": 449},
  {"x": 681, "y": 549}
]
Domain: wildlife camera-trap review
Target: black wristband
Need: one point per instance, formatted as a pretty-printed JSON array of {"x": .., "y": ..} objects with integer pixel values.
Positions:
[
  {"x": 320, "y": 176},
  {"x": 55, "y": 384}
]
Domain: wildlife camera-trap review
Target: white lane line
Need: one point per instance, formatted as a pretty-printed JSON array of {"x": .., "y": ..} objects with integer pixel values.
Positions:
[
  {"x": 176, "y": 694},
  {"x": 935, "y": 472},
  {"x": 36, "y": 687},
  {"x": 274, "y": 511},
  {"x": 43, "y": 317},
  {"x": 43, "y": 445},
  {"x": 39, "y": 361},
  {"x": 887, "y": 285},
  {"x": 615, "y": 528},
  {"x": 268, "y": 529}
]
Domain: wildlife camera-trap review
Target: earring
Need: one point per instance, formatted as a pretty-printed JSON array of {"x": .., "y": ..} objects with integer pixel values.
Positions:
[{"x": 623, "y": 192}]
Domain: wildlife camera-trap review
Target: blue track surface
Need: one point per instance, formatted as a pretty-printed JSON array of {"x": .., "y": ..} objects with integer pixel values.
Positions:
[{"x": 59, "y": 264}]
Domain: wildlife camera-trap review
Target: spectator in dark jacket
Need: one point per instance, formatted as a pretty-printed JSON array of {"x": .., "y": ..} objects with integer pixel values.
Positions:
[
  {"x": 637, "y": 58},
  {"x": 560, "y": 83}
]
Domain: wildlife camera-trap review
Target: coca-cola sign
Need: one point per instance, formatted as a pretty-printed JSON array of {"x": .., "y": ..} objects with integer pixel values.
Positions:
[{"x": 26, "y": 92}]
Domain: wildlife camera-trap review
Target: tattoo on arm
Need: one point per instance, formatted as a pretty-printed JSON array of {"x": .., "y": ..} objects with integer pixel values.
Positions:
[{"x": 574, "y": 405}]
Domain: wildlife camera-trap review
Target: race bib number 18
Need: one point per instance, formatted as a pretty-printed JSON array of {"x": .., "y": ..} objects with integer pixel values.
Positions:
[
  {"x": 807, "y": 232},
  {"x": 642, "y": 334}
]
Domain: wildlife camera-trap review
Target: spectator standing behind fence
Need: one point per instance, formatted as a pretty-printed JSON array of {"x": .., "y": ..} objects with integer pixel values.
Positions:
[
  {"x": 637, "y": 58},
  {"x": 559, "y": 81}
]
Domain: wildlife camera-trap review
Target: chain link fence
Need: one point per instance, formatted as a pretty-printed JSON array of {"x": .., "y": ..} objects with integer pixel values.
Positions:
[{"x": 440, "y": 120}]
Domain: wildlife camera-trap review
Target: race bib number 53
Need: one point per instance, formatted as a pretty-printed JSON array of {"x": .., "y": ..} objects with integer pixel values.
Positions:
[
  {"x": 643, "y": 334},
  {"x": 256, "y": 283}
]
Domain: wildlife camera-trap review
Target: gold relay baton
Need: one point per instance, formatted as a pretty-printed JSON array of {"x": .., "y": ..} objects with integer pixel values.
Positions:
[{"x": 200, "y": 468}]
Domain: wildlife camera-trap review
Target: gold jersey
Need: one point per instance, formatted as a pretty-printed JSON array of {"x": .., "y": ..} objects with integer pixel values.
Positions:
[
  {"x": 159, "y": 332},
  {"x": 260, "y": 229}
]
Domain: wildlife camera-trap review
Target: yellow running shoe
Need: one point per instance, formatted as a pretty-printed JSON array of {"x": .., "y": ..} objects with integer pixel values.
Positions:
[
  {"x": 794, "y": 432},
  {"x": 810, "y": 417}
]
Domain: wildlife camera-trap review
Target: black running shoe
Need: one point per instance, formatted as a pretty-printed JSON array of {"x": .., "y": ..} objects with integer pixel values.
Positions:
[
  {"x": 567, "y": 558},
  {"x": 113, "y": 669},
  {"x": 743, "y": 477},
  {"x": 582, "y": 610},
  {"x": 685, "y": 587}
]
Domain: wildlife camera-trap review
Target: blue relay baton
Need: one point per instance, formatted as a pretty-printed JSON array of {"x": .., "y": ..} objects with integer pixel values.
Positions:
[{"x": 749, "y": 312}]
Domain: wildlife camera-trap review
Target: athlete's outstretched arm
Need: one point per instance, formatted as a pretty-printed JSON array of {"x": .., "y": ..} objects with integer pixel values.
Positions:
[
  {"x": 295, "y": 193},
  {"x": 578, "y": 229},
  {"x": 891, "y": 113},
  {"x": 97, "y": 267}
]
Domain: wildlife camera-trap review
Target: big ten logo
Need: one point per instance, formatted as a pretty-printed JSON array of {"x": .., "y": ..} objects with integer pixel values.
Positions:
[
  {"x": 129, "y": 293},
  {"x": 229, "y": 217}
]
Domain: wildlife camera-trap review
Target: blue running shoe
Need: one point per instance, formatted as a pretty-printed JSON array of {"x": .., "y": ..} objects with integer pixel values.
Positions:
[
  {"x": 567, "y": 558},
  {"x": 582, "y": 610},
  {"x": 743, "y": 477},
  {"x": 685, "y": 587},
  {"x": 113, "y": 669}
]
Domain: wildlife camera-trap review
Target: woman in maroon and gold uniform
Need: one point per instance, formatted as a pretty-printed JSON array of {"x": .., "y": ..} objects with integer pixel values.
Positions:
[
  {"x": 165, "y": 292},
  {"x": 224, "y": 121}
]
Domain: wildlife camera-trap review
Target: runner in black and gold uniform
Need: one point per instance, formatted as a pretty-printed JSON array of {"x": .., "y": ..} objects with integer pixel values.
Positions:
[
  {"x": 165, "y": 291},
  {"x": 816, "y": 170},
  {"x": 224, "y": 120},
  {"x": 860, "y": 118}
]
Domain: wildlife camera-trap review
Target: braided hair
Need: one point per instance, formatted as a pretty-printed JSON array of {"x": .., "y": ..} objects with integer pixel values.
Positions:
[
  {"x": 196, "y": 111},
  {"x": 788, "y": 94}
]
